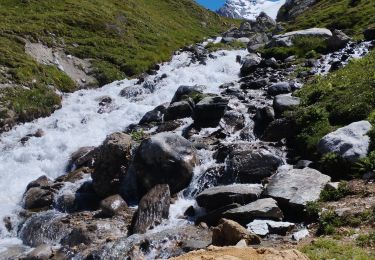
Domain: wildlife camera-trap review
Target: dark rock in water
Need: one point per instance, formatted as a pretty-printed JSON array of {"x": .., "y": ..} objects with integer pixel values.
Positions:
[
  {"x": 38, "y": 197},
  {"x": 111, "y": 164},
  {"x": 216, "y": 197},
  {"x": 42, "y": 181},
  {"x": 212, "y": 218},
  {"x": 179, "y": 110},
  {"x": 233, "y": 121},
  {"x": 184, "y": 92},
  {"x": 265, "y": 115},
  {"x": 282, "y": 103},
  {"x": 279, "y": 129},
  {"x": 152, "y": 209},
  {"x": 295, "y": 188},
  {"x": 249, "y": 166},
  {"x": 132, "y": 91},
  {"x": 250, "y": 64},
  {"x": 83, "y": 157},
  {"x": 169, "y": 126},
  {"x": 164, "y": 244},
  {"x": 254, "y": 84},
  {"x": 155, "y": 115},
  {"x": 113, "y": 205},
  {"x": 338, "y": 40},
  {"x": 209, "y": 111},
  {"x": 335, "y": 65},
  {"x": 279, "y": 88},
  {"x": 78, "y": 236},
  {"x": 43, "y": 228},
  {"x": 165, "y": 158},
  {"x": 263, "y": 209},
  {"x": 369, "y": 34},
  {"x": 42, "y": 252},
  {"x": 229, "y": 233}
]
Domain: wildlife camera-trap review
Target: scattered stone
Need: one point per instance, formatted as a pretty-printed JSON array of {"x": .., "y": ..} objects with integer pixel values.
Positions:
[
  {"x": 165, "y": 158},
  {"x": 132, "y": 91},
  {"x": 254, "y": 84},
  {"x": 152, "y": 209},
  {"x": 112, "y": 161},
  {"x": 350, "y": 142},
  {"x": 296, "y": 187},
  {"x": 154, "y": 116},
  {"x": 265, "y": 115},
  {"x": 42, "y": 181},
  {"x": 250, "y": 64},
  {"x": 279, "y": 129},
  {"x": 209, "y": 111},
  {"x": 83, "y": 157},
  {"x": 113, "y": 205},
  {"x": 265, "y": 227},
  {"x": 212, "y": 217},
  {"x": 282, "y": 103},
  {"x": 184, "y": 92},
  {"x": 229, "y": 233},
  {"x": 233, "y": 121},
  {"x": 262, "y": 208},
  {"x": 216, "y": 197},
  {"x": 38, "y": 197},
  {"x": 300, "y": 234},
  {"x": 179, "y": 110},
  {"x": 279, "y": 88}
]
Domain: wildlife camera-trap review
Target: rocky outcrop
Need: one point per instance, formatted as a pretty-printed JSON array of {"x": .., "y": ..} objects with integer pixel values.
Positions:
[
  {"x": 164, "y": 158},
  {"x": 111, "y": 164},
  {"x": 243, "y": 254},
  {"x": 350, "y": 142},
  {"x": 295, "y": 188},
  {"x": 152, "y": 209},
  {"x": 229, "y": 233},
  {"x": 262, "y": 208},
  {"x": 216, "y": 197},
  {"x": 292, "y": 8}
]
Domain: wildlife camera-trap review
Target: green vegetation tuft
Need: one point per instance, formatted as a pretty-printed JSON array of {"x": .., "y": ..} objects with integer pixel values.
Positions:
[
  {"x": 335, "y": 194},
  {"x": 342, "y": 97},
  {"x": 367, "y": 240},
  {"x": 234, "y": 45},
  {"x": 351, "y": 16},
  {"x": 321, "y": 249}
]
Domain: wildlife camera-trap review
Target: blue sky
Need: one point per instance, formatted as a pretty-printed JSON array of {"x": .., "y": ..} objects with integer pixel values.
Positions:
[{"x": 212, "y": 4}]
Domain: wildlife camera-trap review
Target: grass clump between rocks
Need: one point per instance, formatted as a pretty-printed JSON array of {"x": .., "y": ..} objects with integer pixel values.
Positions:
[{"x": 234, "y": 45}]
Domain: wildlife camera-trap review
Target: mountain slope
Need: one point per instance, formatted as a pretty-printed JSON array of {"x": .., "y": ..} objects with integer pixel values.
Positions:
[
  {"x": 250, "y": 9},
  {"x": 117, "y": 37}
]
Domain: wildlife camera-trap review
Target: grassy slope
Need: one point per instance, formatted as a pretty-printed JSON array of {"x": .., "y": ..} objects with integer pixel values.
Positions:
[
  {"x": 122, "y": 37},
  {"x": 352, "y": 16}
]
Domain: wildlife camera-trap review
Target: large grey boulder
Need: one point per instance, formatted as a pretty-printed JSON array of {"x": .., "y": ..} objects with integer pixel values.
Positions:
[
  {"x": 286, "y": 40},
  {"x": 350, "y": 142},
  {"x": 184, "y": 92},
  {"x": 250, "y": 64},
  {"x": 152, "y": 209},
  {"x": 216, "y": 197},
  {"x": 256, "y": 41},
  {"x": 165, "y": 158},
  {"x": 279, "y": 88},
  {"x": 264, "y": 23},
  {"x": 38, "y": 197},
  {"x": 112, "y": 161},
  {"x": 252, "y": 165},
  {"x": 263, "y": 208},
  {"x": 264, "y": 227},
  {"x": 155, "y": 115},
  {"x": 209, "y": 111},
  {"x": 338, "y": 40},
  {"x": 295, "y": 188},
  {"x": 282, "y": 103},
  {"x": 113, "y": 205},
  {"x": 179, "y": 110}
]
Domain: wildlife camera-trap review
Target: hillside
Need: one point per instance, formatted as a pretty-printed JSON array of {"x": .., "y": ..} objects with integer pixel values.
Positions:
[
  {"x": 111, "y": 40},
  {"x": 351, "y": 16}
]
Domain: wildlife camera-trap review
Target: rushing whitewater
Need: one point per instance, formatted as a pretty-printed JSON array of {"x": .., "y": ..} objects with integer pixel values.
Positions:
[{"x": 79, "y": 124}]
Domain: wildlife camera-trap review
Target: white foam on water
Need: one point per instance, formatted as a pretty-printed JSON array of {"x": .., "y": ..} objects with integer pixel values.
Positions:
[{"x": 78, "y": 124}]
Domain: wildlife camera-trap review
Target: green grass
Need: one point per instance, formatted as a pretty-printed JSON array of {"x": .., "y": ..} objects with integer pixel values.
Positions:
[
  {"x": 351, "y": 16},
  {"x": 322, "y": 249},
  {"x": 335, "y": 195},
  {"x": 121, "y": 37},
  {"x": 340, "y": 98},
  {"x": 366, "y": 240},
  {"x": 234, "y": 45}
]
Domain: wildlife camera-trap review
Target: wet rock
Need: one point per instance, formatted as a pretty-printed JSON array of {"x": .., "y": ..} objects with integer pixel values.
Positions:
[
  {"x": 265, "y": 115},
  {"x": 254, "y": 84},
  {"x": 132, "y": 91},
  {"x": 165, "y": 158},
  {"x": 295, "y": 188},
  {"x": 369, "y": 34},
  {"x": 179, "y": 110},
  {"x": 250, "y": 64},
  {"x": 270, "y": 63},
  {"x": 233, "y": 121},
  {"x": 279, "y": 129},
  {"x": 212, "y": 218},
  {"x": 111, "y": 164},
  {"x": 262, "y": 208},
  {"x": 155, "y": 115},
  {"x": 43, "y": 228},
  {"x": 282, "y": 103},
  {"x": 38, "y": 197},
  {"x": 152, "y": 209},
  {"x": 78, "y": 236},
  {"x": 42, "y": 181},
  {"x": 265, "y": 227},
  {"x": 335, "y": 65},
  {"x": 209, "y": 111},
  {"x": 169, "y": 126},
  {"x": 249, "y": 166},
  {"x": 338, "y": 40},
  {"x": 42, "y": 252},
  {"x": 184, "y": 92},
  {"x": 350, "y": 142},
  {"x": 113, "y": 205},
  {"x": 216, "y": 197},
  {"x": 279, "y": 88},
  {"x": 229, "y": 233},
  {"x": 83, "y": 157}
]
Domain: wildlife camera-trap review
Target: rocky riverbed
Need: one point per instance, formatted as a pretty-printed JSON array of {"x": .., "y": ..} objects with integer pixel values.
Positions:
[{"x": 191, "y": 156}]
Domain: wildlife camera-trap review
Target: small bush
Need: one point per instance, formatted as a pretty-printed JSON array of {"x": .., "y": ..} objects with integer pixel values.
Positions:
[
  {"x": 366, "y": 240},
  {"x": 335, "y": 195}
]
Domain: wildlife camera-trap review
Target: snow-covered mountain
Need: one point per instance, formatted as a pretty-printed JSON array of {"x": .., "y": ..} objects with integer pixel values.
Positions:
[{"x": 250, "y": 9}]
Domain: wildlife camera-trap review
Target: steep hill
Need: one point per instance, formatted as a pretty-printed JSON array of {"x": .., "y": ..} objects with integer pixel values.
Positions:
[{"x": 101, "y": 40}]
